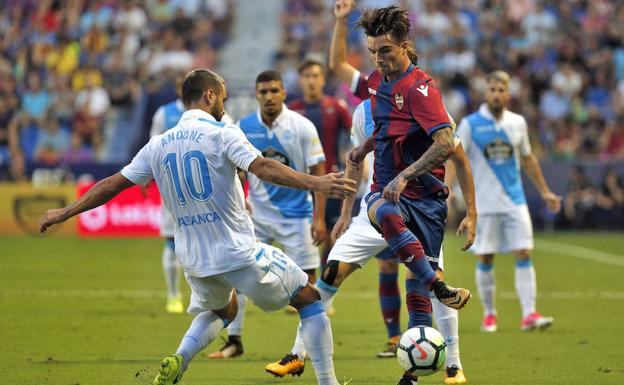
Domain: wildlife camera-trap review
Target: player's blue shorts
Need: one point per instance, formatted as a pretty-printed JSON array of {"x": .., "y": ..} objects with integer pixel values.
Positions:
[{"x": 426, "y": 219}]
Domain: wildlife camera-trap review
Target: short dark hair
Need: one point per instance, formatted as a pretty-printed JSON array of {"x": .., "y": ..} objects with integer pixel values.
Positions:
[
  {"x": 268, "y": 76},
  {"x": 307, "y": 63},
  {"x": 197, "y": 82},
  {"x": 389, "y": 20}
]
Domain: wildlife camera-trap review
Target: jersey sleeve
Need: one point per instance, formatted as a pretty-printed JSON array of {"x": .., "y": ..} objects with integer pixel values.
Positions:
[
  {"x": 238, "y": 149},
  {"x": 139, "y": 171},
  {"x": 359, "y": 85},
  {"x": 158, "y": 122},
  {"x": 463, "y": 133},
  {"x": 358, "y": 136},
  {"x": 311, "y": 144},
  {"x": 525, "y": 143},
  {"x": 344, "y": 116},
  {"x": 427, "y": 107}
]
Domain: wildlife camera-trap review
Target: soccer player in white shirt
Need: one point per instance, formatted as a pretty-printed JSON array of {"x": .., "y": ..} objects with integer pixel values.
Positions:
[
  {"x": 165, "y": 118},
  {"x": 281, "y": 214},
  {"x": 357, "y": 242},
  {"x": 497, "y": 143},
  {"x": 194, "y": 165}
]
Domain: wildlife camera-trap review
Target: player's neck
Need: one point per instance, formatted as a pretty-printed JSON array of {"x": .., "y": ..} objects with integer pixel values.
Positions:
[
  {"x": 497, "y": 113},
  {"x": 404, "y": 66},
  {"x": 269, "y": 119},
  {"x": 312, "y": 98}
]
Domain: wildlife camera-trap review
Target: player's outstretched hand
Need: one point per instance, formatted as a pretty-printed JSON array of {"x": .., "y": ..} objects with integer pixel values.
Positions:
[
  {"x": 51, "y": 217},
  {"x": 392, "y": 191},
  {"x": 343, "y": 8},
  {"x": 470, "y": 227},
  {"x": 553, "y": 202},
  {"x": 340, "y": 227},
  {"x": 319, "y": 231},
  {"x": 334, "y": 185}
]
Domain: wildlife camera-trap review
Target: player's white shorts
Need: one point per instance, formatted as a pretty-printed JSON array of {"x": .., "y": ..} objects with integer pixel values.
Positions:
[
  {"x": 361, "y": 242},
  {"x": 166, "y": 223},
  {"x": 271, "y": 283},
  {"x": 504, "y": 232},
  {"x": 295, "y": 236}
]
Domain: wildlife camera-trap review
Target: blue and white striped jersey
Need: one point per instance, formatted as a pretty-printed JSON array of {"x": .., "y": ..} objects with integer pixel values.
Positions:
[
  {"x": 292, "y": 141},
  {"x": 494, "y": 149}
]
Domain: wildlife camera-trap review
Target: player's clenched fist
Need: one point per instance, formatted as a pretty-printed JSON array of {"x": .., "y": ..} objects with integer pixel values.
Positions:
[{"x": 343, "y": 8}]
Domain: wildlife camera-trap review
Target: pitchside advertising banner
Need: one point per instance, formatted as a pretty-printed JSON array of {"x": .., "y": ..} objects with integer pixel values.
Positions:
[{"x": 135, "y": 212}]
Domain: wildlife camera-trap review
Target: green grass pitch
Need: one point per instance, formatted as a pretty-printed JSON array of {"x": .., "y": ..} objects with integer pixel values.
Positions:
[{"x": 91, "y": 311}]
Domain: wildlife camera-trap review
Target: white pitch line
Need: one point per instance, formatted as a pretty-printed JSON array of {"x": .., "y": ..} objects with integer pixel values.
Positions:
[{"x": 580, "y": 252}]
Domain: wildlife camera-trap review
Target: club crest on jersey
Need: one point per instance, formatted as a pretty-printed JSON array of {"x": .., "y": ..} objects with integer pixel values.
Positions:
[{"x": 398, "y": 99}]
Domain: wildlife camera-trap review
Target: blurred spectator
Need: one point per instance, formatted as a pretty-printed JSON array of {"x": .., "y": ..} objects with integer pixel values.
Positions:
[
  {"x": 36, "y": 100},
  {"x": 52, "y": 143},
  {"x": 580, "y": 199},
  {"x": 610, "y": 200}
]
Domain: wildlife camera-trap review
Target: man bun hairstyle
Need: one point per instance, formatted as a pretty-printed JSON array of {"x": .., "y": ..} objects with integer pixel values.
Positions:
[
  {"x": 389, "y": 20},
  {"x": 197, "y": 82},
  {"x": 269, "y": 76}
]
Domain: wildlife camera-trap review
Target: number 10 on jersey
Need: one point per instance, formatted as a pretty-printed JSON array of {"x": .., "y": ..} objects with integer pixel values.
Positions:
[{"x": 196, "y": 176}]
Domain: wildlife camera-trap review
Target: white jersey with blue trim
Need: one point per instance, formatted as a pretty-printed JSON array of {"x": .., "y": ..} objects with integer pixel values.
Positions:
[
  {"x": 292, "y": 141},
  {"x": 194, "y": 165},
  {"x": 494, "y": 148},
  {"x": 362, "y": 128}
]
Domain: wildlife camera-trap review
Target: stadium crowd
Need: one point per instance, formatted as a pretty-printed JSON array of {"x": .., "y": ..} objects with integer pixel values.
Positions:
[
  {"x": 566, "y": 59},
  {"x": 74, "y": 74}
]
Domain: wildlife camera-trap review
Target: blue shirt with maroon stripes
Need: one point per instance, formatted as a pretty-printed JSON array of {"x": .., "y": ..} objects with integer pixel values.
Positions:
[{"x": 406, "y": 112}]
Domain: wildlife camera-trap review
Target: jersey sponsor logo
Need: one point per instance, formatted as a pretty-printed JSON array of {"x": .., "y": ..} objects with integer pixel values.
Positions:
[
  {"x": 372, "y": 91},
  {"x": 398, "y": 99},
  {"x": 256, "y": 135},
  {"x": 423, "y": 89},
  {"x": 192, "y": 220},
  {"x": 288, "y": 136},
  {"x": 498, "y": 151},
  {"x": 272, "y": 153}
]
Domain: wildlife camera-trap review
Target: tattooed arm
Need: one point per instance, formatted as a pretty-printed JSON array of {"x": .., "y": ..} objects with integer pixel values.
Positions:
[{"x": 441, "y": 149}]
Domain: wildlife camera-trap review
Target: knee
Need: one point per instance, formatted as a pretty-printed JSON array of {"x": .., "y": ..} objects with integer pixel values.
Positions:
[
  {"x": 388, "y": 266},
  {"x": 335, "y": 272},
  {"x": 523, "y": 255},
  {"x": 305, "y": 297},
  {"x": 487, "y": 259}
]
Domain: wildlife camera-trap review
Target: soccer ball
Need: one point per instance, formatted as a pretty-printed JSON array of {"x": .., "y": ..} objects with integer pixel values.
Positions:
[{"x": 422, "y": 350}]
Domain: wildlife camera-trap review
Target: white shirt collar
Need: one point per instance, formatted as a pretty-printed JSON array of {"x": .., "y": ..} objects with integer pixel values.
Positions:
[
  {"x": 485, "y": 111},
  {"x": 196, "y": 113},
  {"x": 279, "y": 120}
]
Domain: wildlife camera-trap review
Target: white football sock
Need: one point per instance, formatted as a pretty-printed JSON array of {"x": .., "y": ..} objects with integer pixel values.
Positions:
[
  {"x": 236, "y": 327},
  {"x": 171, "y": 268},
  {"x": 327, "y": 293},
  {"x": 448, "y": 325},
  {"x": 317, "y": 335},
  {"x": 526, "y": 286},
  {"x": 486, "y": 286},
  {"x": 204, "y": 328}
]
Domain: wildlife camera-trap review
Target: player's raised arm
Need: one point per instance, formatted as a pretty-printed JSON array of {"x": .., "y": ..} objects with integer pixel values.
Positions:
[
  {"x": 338, "y": 49},
  {"x": 102, "y": 192},
  {"x": 466, "y": 184},
  {"x": 333, "y": 185}
]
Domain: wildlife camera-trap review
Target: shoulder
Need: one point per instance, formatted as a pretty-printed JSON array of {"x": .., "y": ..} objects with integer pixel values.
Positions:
[
  {"x": 296, "y": 120},
  {"x": 515, "y": 118},
  {"x": 296, "y": 104},
  {"x": 249, "y": 122},
  {"x": 374, "y": 78}
]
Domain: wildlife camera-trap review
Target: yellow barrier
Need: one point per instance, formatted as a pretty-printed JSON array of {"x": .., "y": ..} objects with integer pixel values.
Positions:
[{"x": 21, "y": 206}]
